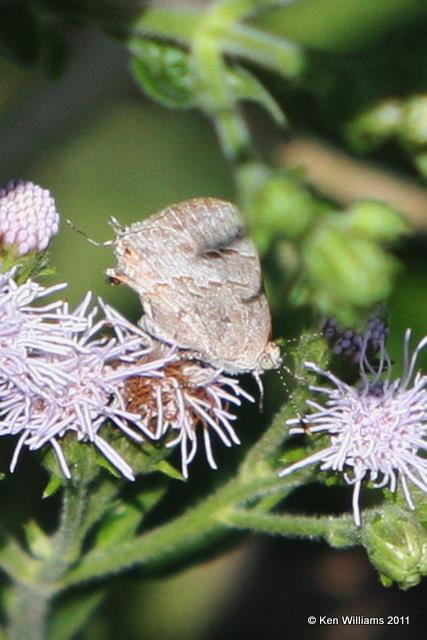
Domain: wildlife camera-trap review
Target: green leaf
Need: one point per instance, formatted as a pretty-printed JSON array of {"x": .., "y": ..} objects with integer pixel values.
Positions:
[
  {"x": 168, "y": 470},
  {"x": 346, "y": 273},
  {"x": 121, "y": 524},
  {"x": 38, "y": 542},
  {"x": 14, "y": 561},
  {"x": 124, "y": 519},
  {"x": 373, "y": 127},
  {"x": 52, "y": 487},
  {"x": 70, "y": 618},
  {"x": 163, "y": 72},
  {"x": 82, "y": 458},
  {"x": 246, "y": 86},
  {"x": 375, "y": 220},
  {"x": 145, "y": 457}
]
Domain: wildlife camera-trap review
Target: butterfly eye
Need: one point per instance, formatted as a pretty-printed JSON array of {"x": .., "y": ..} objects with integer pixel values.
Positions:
[{"x": 271, "y": 358}]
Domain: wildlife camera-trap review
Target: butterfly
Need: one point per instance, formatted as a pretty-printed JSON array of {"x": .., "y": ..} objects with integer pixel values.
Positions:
[{"x": 198, "y": 276}]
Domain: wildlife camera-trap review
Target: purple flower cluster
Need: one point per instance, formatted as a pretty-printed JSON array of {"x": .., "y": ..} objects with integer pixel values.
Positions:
[
  {"x": 358, "y": 345},
  {"x": 78, "y": 370},
  {"x": 376, "y": 432}
]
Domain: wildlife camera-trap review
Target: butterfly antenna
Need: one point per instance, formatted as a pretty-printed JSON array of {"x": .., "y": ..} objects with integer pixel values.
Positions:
[
  {"x": 303, "y": 421},
  {"x": 107, "y": 243},
  {"x": 115, "y": 225}
]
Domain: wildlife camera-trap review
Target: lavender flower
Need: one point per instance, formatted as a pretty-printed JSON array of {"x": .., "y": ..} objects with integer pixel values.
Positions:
[
  {"x": 188, "y": 398},
  {"x": 60, "y": 374},
  {"x": 57, "y": 375},
  {"x": 376, "y": 432},
  {"x": 28, "y": 217}
]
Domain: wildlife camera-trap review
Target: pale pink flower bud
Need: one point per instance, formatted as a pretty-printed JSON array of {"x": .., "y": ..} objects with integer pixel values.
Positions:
[{"x": 28, "y": 216}]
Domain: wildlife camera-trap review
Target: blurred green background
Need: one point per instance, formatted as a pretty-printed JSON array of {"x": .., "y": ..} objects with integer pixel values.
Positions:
[{"x": 103, "y": 149}]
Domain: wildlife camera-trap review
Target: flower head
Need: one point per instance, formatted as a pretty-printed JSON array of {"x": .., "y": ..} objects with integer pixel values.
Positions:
[
  {"x": 376, "y": 432},
  {"x": 28, "y": 217},
  {"x": 187, "y": 399},
  {"x": 65, "y": 371},
  {"x": 59, "y": 374}
]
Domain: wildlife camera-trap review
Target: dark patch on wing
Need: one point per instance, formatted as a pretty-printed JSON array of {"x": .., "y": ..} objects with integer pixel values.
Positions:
[
  {"x": 256, "y": 296},
  {"x": 216, "y": 250}
]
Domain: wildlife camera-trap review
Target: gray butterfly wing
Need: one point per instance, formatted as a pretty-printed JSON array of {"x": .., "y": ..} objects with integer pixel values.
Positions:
[{"x": 199, "y": 279}]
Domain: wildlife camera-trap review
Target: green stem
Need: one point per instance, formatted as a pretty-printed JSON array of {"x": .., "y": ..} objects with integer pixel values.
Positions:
[
  {"x": 194, "y": 529},
  {"x": 215, "y": 93},
  {"x": 31, "y": 602},
  {"x": 68, "y": 539},
  {"x": 296, "y": 526},
  {"x": 241, "y": 40},
  {"x": 257, "y": 478},
  {"x": 259, "y": 457},
  {"x": 28, "y": 614}
]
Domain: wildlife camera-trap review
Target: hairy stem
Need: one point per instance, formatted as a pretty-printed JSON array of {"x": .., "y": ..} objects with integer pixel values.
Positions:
[
  {"x": 195, "y": 528},
  {"x": 296, "y": 526},
  {"x": 29, "y": 611}
]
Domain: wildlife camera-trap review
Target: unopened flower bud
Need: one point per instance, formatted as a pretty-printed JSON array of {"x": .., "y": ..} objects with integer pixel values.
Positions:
[
  {"x": 28, "y": 217},
  {"x": 397, "y": 545},
  {"x": 285, "y": 207},
  {"x": 376, "y": 220},
  {"x": 414, "y": 126},
  {"x": 346, "y": 271},
  {"x": 371, "y": 128}
]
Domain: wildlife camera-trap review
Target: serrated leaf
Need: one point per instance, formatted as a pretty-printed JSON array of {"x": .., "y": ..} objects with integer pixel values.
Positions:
[
  {"x": 163, "y": 72},
  {"x": 246, "y": 86}
]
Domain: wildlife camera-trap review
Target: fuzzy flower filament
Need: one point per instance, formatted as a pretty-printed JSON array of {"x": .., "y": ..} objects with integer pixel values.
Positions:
[
  {"x": 75, "y": 371},
  {"x": 187, "y": 399},
  {"x": 376, "y": 432}
]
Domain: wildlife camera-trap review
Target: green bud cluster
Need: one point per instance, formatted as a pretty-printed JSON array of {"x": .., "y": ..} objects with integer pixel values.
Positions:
[
  {"x": 337, "y": 260},
  {"x": 403, "y": 120}
]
